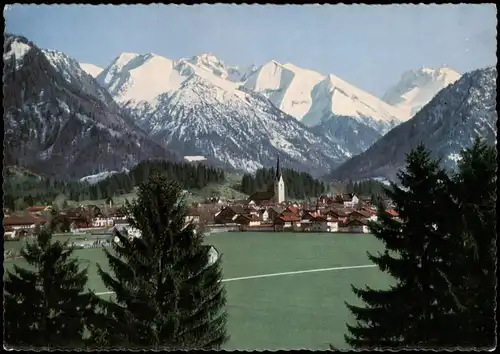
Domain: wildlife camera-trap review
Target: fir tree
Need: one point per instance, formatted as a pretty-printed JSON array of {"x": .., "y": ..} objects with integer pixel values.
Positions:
[
  {"x": 166, "y": 297},
  {"x": 474, "y": 190},
  {"x": 413, "y": 312},
  {"x": 46, "y": 304}
]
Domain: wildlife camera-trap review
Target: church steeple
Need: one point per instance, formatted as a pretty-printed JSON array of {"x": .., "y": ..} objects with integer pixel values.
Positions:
[
  {"x": 279, "y": 184},
  {"x": 278, "y": 169}
]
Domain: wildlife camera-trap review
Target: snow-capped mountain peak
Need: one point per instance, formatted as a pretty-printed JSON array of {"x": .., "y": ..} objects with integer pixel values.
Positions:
[
  {"x": 91, "y": 69},
  {"x": 417, "y": 87},
  {"x": 17, "y": 51},
  {"x": 134, "y": 78},
  {"x": 335, "y": 97},
  {"x": 212, "y": 64},
  {"x": 449, "y": 123}
]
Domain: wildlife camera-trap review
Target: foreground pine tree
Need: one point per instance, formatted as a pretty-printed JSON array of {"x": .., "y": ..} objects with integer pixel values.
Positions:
[
  {"x": 418, "y": 254},
  {"x": 46, "y": 304},
  {"x": 474, "y": 190},
  {"x": 167, "y": 294}
]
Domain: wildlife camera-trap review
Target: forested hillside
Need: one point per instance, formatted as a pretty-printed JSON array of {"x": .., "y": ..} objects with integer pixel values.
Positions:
[
  {"x": 22, "y": 190},
  {"x": 298, "y": 185}
]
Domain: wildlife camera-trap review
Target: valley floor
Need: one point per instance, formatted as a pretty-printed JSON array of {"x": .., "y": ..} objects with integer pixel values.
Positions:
[{"x": 285, "y": 290}]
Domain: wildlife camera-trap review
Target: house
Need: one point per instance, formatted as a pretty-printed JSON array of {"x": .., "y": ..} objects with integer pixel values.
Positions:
[
  {"x": 192, "y": 215},
  {"x": 335, "y": 214},
  {"x": 291, "y": 210},
  {"x": 333, "y": 225},
  {"x": 274, "y": 212},
  {"x": 319, "y": 224},
  {"x": 246, "y": 221},
  {"x": 393, "y": 213},
  {"x": 79, "y": 215},
  {"x": 102, "y": 221},
  {"x": 306, "y": 221},
  {"x": 38, "y": 209},
  {"x": 227, "y": 214},
  {"x": 22, "y": 222},
  {"x": 76, "y": 226},
  {"x": 259, "y": 197},
  {"x": 359, "y": 214},
  {"x": 350, "y": 200},
  {"x": 250, "y": 210},
  {"x": 287, "y": 221},
  {"x": 263, "y": 214},
  {"x": 357, "y": 226}
]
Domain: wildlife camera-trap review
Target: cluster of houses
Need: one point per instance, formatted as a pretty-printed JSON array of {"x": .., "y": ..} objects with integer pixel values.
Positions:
[
  {"x": 79, "y": 219},
  {"x": 340, "y": 213},
  {"x": 262, "y": 211}
]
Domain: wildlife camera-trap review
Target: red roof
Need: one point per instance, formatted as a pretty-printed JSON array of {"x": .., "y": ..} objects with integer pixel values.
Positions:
[
  {"x": 292, "y": 209},
  {"x": 42, "y": 220},
  {"x": 319, "y": 219},
  {"x": 392, "y": 212},
  {"x": 36, "y": 209},
  {"x": 19, "y": 220},
  {"x": 356, "y": 221},
  {"x": 288, "y": 218}
]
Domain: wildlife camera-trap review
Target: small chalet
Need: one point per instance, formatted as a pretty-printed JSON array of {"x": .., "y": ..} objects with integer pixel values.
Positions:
[
  {"x": 192, "y": 215},
  {"x": 263, "y": 214},
  {"x": 247, "y": 221},
  {"x": 274, "y": 212},
  {"x": 39, "y": 209},
  {"x": 287, "y": 222},
  {"x": 357, "y": 226},
  {"x": 260, "y": 197},
  {"x": 22, "y": 222},
  {"x": 226, "y": 215},
  {"x": 359, "y": 214},
  {"x": 335, "y": 214},
  {"x": 319, "y": 224}
]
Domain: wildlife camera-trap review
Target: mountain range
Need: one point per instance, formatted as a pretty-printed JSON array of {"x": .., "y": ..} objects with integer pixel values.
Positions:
[
  {"x": 236, "y": 117},
  {"x": 447, "y": 124},
  {"x": 59, "y": 121}
]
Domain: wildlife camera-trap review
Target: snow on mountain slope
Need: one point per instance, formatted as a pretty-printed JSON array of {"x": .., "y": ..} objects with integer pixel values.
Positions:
[
  {"x": 91, "y": 69},
  {"x": 96, "y": 178},
  {"x": 417, "y": 87},
  {"x": 238, "y": 128},
  {"x": 287, "y": 86},
  {"x": 217, "y": 67},
  {"x": 16, "y": 52},
  {"x": 133, "y": 78},
  {"x": 314, "y": 98},
  {"x": 59, "y": 121},
  {"x": 447, "y": 124},
  {"x": 335, "y": 97}
]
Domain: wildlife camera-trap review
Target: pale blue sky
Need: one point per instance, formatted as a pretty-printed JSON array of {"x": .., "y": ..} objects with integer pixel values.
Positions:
[{"x": 368, "y": 46}]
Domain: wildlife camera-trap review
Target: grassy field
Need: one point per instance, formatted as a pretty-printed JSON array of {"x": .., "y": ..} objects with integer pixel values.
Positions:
[{"x": 274, "y": 301}]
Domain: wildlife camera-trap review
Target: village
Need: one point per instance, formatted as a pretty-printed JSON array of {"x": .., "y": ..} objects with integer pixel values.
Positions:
[
  {"x": 344, "y": 213},
  {"x": 263, "y": 211}
]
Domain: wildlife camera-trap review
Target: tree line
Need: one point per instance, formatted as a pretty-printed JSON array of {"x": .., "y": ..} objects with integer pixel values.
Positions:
[
  {"x": 298, "y": 185},
  {"x": 440, "y": 254},
  {"x": 368, "y": 187},
  {"x": 20, "y": 193}
]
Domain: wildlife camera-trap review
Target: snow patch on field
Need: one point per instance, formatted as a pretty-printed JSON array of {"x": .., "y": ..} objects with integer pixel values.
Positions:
[{"x": 194, "y": 158}]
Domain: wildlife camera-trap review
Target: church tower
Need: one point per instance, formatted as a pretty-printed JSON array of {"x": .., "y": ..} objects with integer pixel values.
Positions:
[{"x": 279, "y": 184}]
